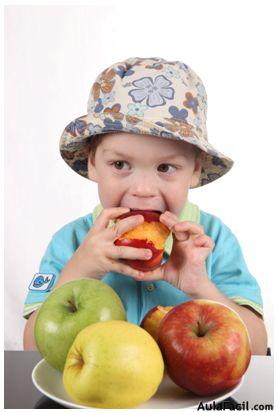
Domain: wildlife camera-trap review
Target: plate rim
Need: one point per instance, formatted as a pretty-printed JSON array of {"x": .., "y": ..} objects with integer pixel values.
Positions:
[
  {"x": 79, "y": 406},
  {"x": 45, "y": 392}
]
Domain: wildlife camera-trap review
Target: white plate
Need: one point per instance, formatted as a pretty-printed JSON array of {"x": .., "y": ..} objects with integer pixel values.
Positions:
[{"x": 168, "y": 396}]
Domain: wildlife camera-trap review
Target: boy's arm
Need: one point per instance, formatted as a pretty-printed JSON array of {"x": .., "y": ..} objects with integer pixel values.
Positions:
[
  {"x": 253, "y": 322},
  {"x": 29, "y": 342}
]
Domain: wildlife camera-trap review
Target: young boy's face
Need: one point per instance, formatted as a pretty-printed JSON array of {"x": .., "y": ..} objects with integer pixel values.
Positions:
[{"x": 144, "y": 172}]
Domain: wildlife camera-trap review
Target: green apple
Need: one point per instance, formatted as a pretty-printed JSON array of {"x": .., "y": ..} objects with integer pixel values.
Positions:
[
  {"x": 70, "y": 308},
  {"x": 114, "y": 365}
]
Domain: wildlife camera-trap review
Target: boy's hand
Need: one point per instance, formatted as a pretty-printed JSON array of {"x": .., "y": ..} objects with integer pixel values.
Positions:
[
  {"x": 185, "y": 268},
  {"x": 97, "y": 255}
]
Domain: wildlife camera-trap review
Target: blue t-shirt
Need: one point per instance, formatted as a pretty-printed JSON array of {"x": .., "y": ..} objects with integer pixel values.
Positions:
[{"x": 225, "y": 265}]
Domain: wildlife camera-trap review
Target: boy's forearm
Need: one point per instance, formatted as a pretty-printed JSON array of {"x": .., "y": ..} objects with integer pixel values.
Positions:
[
  {"x": 71, "y": 272},
  {"x": 255, "y": 325},
  {"x": 68, "y": 274},
  {"x": 29, "y": 342}
]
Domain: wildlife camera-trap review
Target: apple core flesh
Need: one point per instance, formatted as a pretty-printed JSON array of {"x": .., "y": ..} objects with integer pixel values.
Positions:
[{"x": 151, "y": 234}]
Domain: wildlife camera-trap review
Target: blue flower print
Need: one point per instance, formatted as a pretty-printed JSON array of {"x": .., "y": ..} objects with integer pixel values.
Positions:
[
  {"x": 108, "y": 97},
  {"x": 218, "y": 162},
  {"x": 178, "y": 114},
  {"x": 168, "y": 135},
  {"x": 183, "y": 66},
  {"x": 93, "y": 128},
  {"x": 202, "y": 97},
  {"x": 77, "y": 126},
  {"x": 136, "y": 109},
  {"x": 81, "y": 165},
  {"x": 123, "y": 72},
  {"x": 197, "y": 121},
  {"x": 160, "y": 124},
  {"x": 155, "y": 92},
  {"x": 132, "y": 129},
  {"x": 112, "y": 125},
  {"x": 170, "y": 72},
  {"x": 154, "y": 131},
  {"x": 201, "y": 89},
  {"x": 99, "y": 107}
]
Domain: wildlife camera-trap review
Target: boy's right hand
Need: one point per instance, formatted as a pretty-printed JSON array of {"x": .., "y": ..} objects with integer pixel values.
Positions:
[{"x": 98, "y": 255}]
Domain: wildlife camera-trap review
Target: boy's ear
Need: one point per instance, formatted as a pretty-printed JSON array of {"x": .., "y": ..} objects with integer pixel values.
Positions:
[
  {"x": 91, "y": 168},
  {"x": 197, "y": 169}
]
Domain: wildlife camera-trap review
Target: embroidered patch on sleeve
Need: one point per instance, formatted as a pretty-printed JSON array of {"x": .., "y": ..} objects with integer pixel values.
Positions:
[{"x": 42, "y": 282}]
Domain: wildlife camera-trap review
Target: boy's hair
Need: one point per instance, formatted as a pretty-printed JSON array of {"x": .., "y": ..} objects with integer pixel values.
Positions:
[{"x": 94, "y": 143}]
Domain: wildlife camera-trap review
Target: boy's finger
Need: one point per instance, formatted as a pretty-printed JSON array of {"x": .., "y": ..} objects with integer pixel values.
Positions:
[
  {"x": 191, "y": 227},
  {"x": 126, "y": 270},
  {"x": 124, "y": 225},
  {"x": 157, "y": 274},
  {"x": 169, "y": 219},
  {"x": 128, "y": 252},
  {"x": 106, "y": 215},
  {"x": 204, "y": 241}
]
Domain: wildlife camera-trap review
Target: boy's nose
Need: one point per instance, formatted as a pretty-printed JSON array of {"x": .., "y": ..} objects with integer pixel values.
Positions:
[
  {"x": 143, "y": 189},
  {"x": 143, "y": 185}
]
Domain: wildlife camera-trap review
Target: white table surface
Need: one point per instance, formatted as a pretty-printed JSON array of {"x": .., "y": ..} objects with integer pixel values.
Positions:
[{"x": 258, "y": 386}]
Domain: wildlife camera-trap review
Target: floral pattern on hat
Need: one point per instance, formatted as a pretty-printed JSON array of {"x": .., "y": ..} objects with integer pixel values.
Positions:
[
  {"x": 155, "y": 91},
  {"x": 152, "y": 96}
]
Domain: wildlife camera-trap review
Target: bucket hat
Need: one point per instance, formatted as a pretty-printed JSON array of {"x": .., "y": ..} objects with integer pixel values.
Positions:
[{"x": 145, "y": 96}]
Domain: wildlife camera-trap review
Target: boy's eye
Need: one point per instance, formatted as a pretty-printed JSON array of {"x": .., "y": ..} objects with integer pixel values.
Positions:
[
  {"x": 164, "y": 167},
  {"x": 119, "y": 164}
]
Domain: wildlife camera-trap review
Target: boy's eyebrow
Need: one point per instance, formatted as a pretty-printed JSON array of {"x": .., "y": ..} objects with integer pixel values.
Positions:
[{"x": 170, "y": 156}]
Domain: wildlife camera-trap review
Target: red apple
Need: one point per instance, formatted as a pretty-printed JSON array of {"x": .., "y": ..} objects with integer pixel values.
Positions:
[
  {"x": 205, "y": 345},
  {"x": 153, "y": 318},
  {"x": 151, "y": 234}
]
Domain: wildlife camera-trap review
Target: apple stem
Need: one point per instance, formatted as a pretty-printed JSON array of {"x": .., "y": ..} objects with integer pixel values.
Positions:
[
  {"x": 72, "y": 306},
  {"x": 201, "y": 331}
]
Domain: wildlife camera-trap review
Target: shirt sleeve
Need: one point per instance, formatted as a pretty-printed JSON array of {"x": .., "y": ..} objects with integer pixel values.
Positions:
[
  {"x": 43, "y": 282},
  {"x": 54, "y": 260},
  {"x": 230, "y": 273}
]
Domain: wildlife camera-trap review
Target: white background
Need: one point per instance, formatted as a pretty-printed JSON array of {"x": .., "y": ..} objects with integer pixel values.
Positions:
[{"x": 52, "y": 57}]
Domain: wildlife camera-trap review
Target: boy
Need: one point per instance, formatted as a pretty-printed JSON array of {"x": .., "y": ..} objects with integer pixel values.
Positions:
[{"x": 144, "y": 142}]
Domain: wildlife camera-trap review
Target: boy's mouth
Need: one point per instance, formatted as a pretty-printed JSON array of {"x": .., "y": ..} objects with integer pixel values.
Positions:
[{"x": 148, "y": 210}]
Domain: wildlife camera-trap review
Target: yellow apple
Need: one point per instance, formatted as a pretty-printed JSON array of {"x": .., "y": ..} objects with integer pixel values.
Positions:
[
  {"x": 113, "y": 364},
  {"x": 153, "y": 318}
]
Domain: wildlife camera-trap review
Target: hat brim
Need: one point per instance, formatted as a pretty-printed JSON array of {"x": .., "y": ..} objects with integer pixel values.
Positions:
[{"x": 76, "y": 137}]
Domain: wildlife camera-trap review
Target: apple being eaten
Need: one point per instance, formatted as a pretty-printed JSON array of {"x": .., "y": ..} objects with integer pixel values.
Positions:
[
  {"x": 70, "y": 308},
  {"x": 205, "y": 346},
  {"x": 151, "y": 234},
  {"x": 153, "y": 318}
]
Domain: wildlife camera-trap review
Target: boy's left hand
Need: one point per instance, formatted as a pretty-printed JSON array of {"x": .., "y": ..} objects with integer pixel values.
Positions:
[{"x": 185, "y": 268}]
